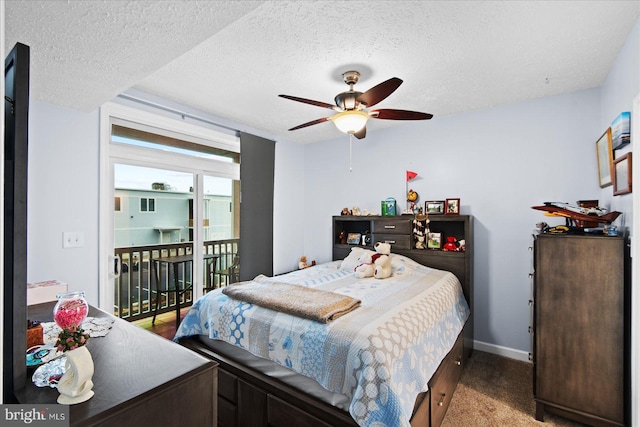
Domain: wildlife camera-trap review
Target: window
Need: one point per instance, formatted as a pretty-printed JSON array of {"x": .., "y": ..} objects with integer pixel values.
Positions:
[{"x": 147, "y": 204}]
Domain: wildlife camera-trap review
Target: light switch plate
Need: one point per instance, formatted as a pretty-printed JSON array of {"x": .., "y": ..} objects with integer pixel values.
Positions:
[{"x": 72, "y": 239}]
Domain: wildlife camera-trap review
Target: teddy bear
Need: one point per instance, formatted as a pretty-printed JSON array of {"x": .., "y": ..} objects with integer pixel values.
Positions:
[
  {"x": 365, "y": 266},
  {"x": 451, "y": 244},
  {"x": 382, "y": 261}
]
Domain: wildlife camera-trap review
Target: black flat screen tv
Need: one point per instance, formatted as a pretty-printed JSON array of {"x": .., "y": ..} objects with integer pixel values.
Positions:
[{"x": 16, "y": 130}]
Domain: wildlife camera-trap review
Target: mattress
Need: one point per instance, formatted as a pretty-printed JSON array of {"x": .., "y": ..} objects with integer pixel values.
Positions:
[{"x": 373, "y": 361}]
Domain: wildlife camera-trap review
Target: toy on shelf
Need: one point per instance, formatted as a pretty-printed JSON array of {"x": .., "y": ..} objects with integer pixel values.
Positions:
[
  {"x": 578, "y": 214},
  {"x": 420, "y": 229}
]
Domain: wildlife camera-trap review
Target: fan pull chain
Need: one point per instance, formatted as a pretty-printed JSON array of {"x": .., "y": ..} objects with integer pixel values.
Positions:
[{"x": 350, "y": 144}]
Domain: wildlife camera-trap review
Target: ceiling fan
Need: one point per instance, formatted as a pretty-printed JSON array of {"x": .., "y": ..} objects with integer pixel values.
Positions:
[{"x": 352, "y": 106}]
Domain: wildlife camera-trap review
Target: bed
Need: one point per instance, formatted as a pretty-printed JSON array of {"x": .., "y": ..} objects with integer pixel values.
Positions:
[{"x": 392, "y": 360}]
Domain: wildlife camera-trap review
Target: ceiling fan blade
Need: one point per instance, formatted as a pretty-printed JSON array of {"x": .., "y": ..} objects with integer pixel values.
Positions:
[
  {"x": 311, "y": 123},
  {"x": 379, "y": 92},
  {"x": 309, "y": 101},
  {"x": 389, "y": 114},
  {"x": 361, "y": 133}
]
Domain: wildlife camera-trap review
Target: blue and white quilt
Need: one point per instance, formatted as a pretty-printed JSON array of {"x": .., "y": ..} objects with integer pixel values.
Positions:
[{"x": 381, "y": 355}]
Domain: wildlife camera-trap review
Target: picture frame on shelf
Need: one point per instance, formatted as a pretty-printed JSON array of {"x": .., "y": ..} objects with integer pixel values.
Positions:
[
  {"x": 434, "y": 240},
  {"x": 353, "y": 238},
  {"x": 622, "y": 175},
  {"x": 434, "y": 207},
  {"x": 452, "y": 207},
  {"x": 604, "y": 153}
]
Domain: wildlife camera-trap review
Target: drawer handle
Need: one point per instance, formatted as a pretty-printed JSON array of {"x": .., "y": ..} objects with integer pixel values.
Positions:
[
  {"x": 530, "y": 275},
  {"x": 390, "y": 227},
  {"x": 530, "y": 248},
  {"x": 530, "y": 303},
  {"x": 441, "y": 401},
  {"x": 459, "y": 361},
  {"x": 391, "y": 242},
  {"x": 529, "y": 329}
]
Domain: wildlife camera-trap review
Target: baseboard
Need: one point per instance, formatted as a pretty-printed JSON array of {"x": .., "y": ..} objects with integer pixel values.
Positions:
[{"x": 499, "y": 350}]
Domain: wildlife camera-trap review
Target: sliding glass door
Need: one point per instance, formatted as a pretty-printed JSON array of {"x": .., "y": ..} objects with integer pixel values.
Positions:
[
  {"x": 151, "y": 221},
  {"x": 173, "y": 222}
]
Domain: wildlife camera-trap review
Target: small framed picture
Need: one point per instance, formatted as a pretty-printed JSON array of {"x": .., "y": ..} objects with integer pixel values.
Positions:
[
  {"x": 604, "y": 153},
  {"x": 353, "y": 238},
  {"x": 434, "y": 241},
  {"x": 452, "y": 207},
  {"x": 434, "y": 207},
  {"x": 622, "y": 175}
]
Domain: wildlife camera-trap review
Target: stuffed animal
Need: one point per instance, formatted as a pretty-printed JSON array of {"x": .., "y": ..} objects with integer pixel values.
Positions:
[
  {"x": 382, "y": 261},
  {"x": 303, "y": 263},
  {"x": 451, "y": 244},
  {"x": 365, "y": 266}
]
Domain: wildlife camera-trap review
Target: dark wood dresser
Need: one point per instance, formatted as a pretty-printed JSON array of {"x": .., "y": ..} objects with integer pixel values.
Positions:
[
  {"x": 581, "y": 328},
  {"x": 140, "y": 379}
]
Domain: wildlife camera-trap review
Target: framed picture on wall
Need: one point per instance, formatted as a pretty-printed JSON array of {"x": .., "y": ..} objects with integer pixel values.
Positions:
[
  {"x": 452, "y": 207},
  {"x": 622, "y": 175},
  {"x": 604, "y": 154}
]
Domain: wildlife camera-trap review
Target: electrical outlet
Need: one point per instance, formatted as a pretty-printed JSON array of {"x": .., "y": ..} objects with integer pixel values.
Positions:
[{"x": 72, "y": 239}]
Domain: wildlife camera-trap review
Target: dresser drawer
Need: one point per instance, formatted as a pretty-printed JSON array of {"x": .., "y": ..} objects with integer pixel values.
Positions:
[
  {"x": 397, "y": 241},
  {"x": 443, "y": 383},
  {"x": 227, "y": 413},
  {"x": 392, "y": 226},
  {"x": 283, "y": 414},
  {"x": 228, "y": 386}
]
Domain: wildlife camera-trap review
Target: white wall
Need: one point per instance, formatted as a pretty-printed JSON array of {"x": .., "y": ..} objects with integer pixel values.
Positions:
[
  {"x": 499, "y": 162},
  {"x": 63, "y": 196},
  {"x": 289, "y": 220},
  {"x": 618, "y": 91}
]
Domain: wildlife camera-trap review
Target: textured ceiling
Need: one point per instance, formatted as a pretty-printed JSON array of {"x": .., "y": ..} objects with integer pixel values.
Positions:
[{"x": 232, "y": 58}]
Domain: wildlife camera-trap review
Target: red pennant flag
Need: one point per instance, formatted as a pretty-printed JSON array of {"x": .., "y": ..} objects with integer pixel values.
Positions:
[{"x": 411, "y": 175}]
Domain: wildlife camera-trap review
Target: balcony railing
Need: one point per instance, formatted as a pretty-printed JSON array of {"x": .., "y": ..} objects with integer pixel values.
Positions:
[{"x": 135, "y": 289}]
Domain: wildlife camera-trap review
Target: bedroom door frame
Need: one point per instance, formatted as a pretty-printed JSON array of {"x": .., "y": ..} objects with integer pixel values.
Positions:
[{"x": 111, "y": 153}]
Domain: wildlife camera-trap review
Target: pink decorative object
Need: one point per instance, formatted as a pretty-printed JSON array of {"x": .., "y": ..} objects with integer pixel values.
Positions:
[{"x": 70, "y": 310}]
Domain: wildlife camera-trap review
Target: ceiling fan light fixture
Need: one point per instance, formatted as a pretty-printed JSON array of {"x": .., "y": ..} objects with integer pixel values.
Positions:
[{"x": 350, "y": 121}]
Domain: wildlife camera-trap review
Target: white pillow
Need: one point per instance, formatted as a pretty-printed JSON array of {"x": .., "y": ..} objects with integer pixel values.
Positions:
[{"x": 351, "y": 261}]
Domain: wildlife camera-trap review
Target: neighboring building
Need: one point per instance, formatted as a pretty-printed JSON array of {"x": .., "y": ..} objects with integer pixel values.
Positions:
[{"x": 151, "y": 217}]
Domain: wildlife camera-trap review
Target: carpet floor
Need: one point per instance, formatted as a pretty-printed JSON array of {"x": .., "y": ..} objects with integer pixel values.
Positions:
[{"x": 497, "y": 391}]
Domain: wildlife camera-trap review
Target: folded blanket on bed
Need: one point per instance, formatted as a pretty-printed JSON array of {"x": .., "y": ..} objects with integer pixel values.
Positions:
[{"x": 315, "y": 304}]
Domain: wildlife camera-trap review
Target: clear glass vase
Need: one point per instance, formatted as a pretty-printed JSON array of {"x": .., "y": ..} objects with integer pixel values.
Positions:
[{"x": 70, "y": 310}]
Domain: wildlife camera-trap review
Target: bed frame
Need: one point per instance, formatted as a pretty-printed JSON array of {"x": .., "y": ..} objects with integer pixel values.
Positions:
[{"x": 247, "y": 397}]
